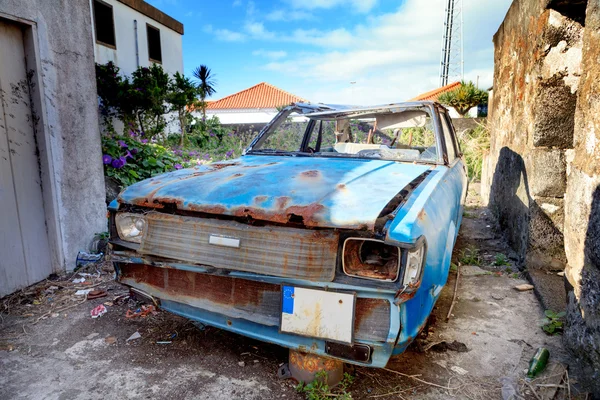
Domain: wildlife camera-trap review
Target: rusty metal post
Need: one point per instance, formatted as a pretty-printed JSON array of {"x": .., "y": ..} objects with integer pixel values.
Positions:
[{"x": 305, "y": 366}]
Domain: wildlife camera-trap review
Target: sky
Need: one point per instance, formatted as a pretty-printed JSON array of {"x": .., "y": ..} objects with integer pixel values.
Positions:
[{"x": 361, "y": 52}]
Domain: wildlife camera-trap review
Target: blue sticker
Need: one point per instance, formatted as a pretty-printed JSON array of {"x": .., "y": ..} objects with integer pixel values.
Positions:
[{"x": 288, "y": 300}]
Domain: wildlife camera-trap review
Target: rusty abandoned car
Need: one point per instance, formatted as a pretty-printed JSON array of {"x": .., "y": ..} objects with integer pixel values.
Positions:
[{"x": 332, "y": 235}]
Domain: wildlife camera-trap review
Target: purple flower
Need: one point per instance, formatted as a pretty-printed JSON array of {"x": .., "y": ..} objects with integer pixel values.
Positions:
[
  {"x": 134, "y": 151},
  {"x": 229, "y": 153},
  {"x": 128, "y": 155},
  {"x": 118, "y": 162},
  {"x": 212, "y": 134},
  {"x": 106, "y": 159},
  {"x": 207, "y": 156},
  {"x": 122, "y": 143},
  {"x": 178, "y": 166},
  {"x": 132, "y": 133},
  {"x": 144, "y": 141}
]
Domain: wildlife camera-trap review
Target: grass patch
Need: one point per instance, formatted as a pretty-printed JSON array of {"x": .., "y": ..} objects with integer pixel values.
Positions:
[
  {"x": 320, "y": 390},
  {"x": 475, "y": 144},
  {"x": 469, "y": 256},
  {"x": 501, "y": 260}
]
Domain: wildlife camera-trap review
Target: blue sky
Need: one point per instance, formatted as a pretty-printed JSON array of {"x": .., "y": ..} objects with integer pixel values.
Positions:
[{"x": 315, "y": 48}]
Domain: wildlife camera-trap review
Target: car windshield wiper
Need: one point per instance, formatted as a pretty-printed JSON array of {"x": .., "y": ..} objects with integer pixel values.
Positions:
[{"x": 270, "y": 151}]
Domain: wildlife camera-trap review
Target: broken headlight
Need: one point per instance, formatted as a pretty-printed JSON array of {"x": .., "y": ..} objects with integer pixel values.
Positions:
[
  {"x": 130, "y": 227},
  {"x": 371, "y": 259},
  {"x": 414, "y": 264}
]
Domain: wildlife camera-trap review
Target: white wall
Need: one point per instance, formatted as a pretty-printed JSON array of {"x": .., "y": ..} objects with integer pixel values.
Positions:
[
  {"x": 242, "y": 116},
  {"x": 453, "y": 114},
  {"x": 125, "y": 56}
]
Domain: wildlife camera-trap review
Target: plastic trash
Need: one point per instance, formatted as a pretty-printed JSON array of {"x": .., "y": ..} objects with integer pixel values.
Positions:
[
  {"x": 98, "y": 311},
  {"x": 84, "y": 259},
  {"x": 510, "y": 388},
  {"x": 136, "y": 335}
]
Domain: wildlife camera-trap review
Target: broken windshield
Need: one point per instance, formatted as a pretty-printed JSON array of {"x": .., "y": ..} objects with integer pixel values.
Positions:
[{"x": 388, "y": 134}]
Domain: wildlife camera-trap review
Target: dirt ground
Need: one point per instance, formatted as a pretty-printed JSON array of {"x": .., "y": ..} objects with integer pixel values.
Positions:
[{"x": 49, "y": 351}]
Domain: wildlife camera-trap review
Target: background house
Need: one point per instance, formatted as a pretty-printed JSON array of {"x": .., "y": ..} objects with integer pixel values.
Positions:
[
  {"x": 433, "y": 95},
  {"x": 132, "y": 34},
  {"x": 51, "y": 176},
  {"x": 256, "y": 105}
]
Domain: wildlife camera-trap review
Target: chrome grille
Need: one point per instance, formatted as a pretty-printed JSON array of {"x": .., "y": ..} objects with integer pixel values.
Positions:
[{"x": 276, "y": 251}]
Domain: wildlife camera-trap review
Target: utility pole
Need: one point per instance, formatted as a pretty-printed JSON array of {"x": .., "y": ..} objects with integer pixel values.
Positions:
[{"x": 452, "y": 64}]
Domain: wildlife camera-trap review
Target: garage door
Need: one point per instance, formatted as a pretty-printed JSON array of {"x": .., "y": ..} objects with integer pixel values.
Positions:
[{"x": 24, "y": 249}]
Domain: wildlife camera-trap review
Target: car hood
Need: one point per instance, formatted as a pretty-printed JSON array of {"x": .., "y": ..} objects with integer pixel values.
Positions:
[{"x": 322, "y": 192}]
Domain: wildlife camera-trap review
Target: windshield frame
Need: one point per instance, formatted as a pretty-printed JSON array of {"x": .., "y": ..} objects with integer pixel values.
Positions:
[{"x": 315, "y": 114}]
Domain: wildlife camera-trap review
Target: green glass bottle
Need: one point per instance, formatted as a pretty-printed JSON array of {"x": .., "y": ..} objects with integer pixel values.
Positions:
[{"x": 538, "y": 362}]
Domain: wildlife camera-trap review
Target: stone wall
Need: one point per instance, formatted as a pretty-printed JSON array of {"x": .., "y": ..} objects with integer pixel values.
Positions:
[
  {"x": 542, "y": 176},
  {"x": 60, "y": 57},
  {"x": 582, "y": 208}
]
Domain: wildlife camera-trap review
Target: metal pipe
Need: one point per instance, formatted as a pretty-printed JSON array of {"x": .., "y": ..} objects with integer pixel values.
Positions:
[{"x": 137, "y": 48}]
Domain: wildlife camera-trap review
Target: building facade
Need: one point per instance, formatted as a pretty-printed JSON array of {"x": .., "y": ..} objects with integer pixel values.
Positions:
[{"x": 132, "y": 34}]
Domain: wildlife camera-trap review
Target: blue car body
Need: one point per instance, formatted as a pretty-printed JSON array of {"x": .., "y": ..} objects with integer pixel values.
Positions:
[{"x": 314, "y": 195}]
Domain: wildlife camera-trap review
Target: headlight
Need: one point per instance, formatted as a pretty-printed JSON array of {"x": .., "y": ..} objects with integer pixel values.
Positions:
[
  {"x": 414, "y": 264},
  {"x": 371, "y": 259},
  {"x": 130, "y": 227}
]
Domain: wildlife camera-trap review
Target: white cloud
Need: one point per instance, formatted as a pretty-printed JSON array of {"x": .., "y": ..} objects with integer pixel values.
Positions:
[
  {"x": 361, "y": 6},
  {"x": 391, "y": 57},
  {"x": 272, "y": 55},
  {"x": 237, "y": 3}
]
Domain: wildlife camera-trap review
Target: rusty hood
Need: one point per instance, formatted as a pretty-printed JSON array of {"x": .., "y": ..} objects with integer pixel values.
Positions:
[{"x": 321, "y": 192}]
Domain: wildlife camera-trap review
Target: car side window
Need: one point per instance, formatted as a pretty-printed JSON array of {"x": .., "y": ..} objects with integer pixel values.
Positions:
[{"x": 448, "y": 138}]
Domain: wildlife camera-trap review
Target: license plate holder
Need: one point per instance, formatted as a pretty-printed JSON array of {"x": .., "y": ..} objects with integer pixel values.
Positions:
[{"x": 318, "y": 313}]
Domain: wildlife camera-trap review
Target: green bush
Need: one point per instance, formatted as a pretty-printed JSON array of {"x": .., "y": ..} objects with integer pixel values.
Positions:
[
  {"x": 475, "y": 144},
  {"x": 128, "y": 160}
]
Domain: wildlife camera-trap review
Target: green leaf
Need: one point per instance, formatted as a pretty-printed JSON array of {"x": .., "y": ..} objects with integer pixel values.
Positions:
[
  {"x": 133, "y": 173},
  {"x": 561, "y": 314},
  {"x": 549, "y": 314}
]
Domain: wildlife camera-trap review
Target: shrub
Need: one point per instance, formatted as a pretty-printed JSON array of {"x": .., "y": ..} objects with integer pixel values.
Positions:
[
  {"x": 130, "y": 161},
  {"x": 475, "y": 144}
]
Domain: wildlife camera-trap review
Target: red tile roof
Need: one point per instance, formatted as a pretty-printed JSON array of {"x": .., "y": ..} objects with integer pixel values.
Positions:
[
  {"x": 262, "y": 95},
  {"x": 433, "y": 95}
]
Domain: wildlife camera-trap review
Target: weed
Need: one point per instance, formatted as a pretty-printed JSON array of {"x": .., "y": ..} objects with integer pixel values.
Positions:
[
  {"x": 553, "y": 324},
  {"x": 320, "y": 390},
  {"x": 467, "y": 214},
  {"x": 501, "y": 260},
  {"x": 508, "y": 270},
  {"x": 453, "y": 267},
  {"x": 470, "y": 256},
  {"x": 515, "y": 275}
]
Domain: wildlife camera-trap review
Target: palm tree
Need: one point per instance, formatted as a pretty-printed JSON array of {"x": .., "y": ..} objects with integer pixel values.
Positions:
[{"x": 206, "y": 85}]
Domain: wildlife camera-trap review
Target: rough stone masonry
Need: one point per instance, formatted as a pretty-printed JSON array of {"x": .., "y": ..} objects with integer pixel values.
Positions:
[{"x": 542, "y": 176}]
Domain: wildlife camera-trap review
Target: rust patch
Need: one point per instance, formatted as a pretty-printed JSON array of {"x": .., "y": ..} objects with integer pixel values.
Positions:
[
  {"x": 342, "y": 187},
  {"x": 223, "y": 165},
  {"x": 306, "y": 213},
  {"x": 260, "y": 199},
  {"x": 207, "y": 209},
  {"x": 380, "y": 265},
  {"x": 216, "y": 289},
  {"x": 402, "y": 297},
  {"x": 310, "y": 174},
  {"x": 372, "y": 318},
  {"x": 282, "y": 202}
]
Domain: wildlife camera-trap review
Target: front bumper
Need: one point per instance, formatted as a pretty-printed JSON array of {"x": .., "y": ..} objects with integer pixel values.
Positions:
[{"x": 247, "y": 304}]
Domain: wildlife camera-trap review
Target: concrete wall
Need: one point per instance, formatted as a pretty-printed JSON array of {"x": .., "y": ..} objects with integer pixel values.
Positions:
[
  {"x": 542, "y": 177},
  {"x": 125, "y": 54},
  {"x": 60, "y": 57}
]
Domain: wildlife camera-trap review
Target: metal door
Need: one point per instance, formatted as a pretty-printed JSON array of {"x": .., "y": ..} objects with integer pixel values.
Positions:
[{"x": 24, "y": 248}]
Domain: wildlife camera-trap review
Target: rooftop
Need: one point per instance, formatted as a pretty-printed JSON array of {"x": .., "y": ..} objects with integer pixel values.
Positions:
[
  {"x": 154, "y": 13},
  {"x": 263, "y": 95},
  {"x": 433, "y": 95}
]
